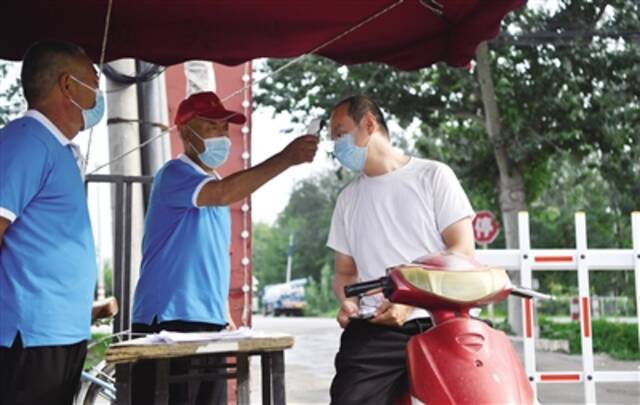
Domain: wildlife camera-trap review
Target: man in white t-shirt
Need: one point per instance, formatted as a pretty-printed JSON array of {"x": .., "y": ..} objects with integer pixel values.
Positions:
[{"x": 396, "y": 209}]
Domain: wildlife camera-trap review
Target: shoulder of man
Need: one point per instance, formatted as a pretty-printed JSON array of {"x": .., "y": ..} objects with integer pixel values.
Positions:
[
  {"x": 350, "y": 188},
  {"x": 25, "y": 137},
  {"x": 432, "y": 167},
  {"x": 178, "y": 169}
]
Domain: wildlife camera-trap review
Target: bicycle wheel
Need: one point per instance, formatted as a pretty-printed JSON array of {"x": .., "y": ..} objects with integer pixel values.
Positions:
[{"x": 97, "y": 386}]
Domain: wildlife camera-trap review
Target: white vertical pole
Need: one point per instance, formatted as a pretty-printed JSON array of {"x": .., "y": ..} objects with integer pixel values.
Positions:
[
  {"x": 527, "y": 308},
  {"x": 289, "y": 257},
  {"x": 585, "y": 308},
  {"x": 635, "y": 230}
]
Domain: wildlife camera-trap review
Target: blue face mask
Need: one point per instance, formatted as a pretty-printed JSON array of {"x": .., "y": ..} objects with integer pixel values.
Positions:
[
  {"x": 216, "y": 150},
  {"x": 91, "y": 116},
  {"x": 348, "y": 154}
]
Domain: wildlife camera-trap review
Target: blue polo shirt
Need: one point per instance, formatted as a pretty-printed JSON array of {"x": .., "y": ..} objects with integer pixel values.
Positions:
[
  {"x": 185, "y": 251},
  {"x": 47, "y": 258}
]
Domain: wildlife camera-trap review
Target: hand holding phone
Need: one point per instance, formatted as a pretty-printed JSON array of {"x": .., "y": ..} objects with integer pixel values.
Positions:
[{"x": 364, "y": 313}]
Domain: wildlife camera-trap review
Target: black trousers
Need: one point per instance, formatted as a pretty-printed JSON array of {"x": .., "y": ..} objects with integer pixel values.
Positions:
[
  {"x": 40, "y": 375},
  {"x": 144, "y": 371},
  {"x": 371, "y": 362}
]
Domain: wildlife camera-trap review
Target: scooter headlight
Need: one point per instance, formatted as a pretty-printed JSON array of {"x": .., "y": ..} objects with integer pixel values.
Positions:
[{"x": 463, "y": 286}]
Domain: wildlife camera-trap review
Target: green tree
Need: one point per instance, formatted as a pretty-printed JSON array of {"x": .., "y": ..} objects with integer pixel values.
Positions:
[
  {"x": 11, "y": 99},
  {"x": 321, "y": 300},
  {"x": 269, "y": 254},
  {"x": 308, "y": 216},
  {"x": 559, "y": 85},
  {"x": 553, "y": 98}
]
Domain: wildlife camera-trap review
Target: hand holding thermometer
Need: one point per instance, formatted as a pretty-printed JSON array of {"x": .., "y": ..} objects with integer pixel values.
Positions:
[{"x": 314, "y": 126}]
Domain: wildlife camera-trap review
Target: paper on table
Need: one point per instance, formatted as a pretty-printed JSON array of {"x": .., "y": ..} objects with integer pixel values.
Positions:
[{"x": 166, "y": 337}]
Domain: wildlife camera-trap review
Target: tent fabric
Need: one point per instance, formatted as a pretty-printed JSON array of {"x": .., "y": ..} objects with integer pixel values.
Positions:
[{"x": 409, "y": 36}]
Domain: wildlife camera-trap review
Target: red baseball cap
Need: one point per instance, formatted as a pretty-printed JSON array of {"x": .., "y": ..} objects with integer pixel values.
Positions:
[{"x": 208, "y": 106}]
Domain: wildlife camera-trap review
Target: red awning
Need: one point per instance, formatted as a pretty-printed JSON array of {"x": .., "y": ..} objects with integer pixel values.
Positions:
[{"x": 411, "y": 35}]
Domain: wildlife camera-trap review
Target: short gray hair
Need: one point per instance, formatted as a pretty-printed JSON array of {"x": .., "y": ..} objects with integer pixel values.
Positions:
[{"x": 42, "y": 65}]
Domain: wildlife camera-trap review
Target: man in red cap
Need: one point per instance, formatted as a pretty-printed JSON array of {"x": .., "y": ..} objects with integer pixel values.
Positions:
[{"x": 185, "y": 273}]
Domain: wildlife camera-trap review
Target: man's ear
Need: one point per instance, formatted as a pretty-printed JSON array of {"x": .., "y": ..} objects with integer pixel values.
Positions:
[
  {"x": 182, "y": 133},
  {"x": 370, "y": 123},
  {"x": 63, "y": 84}
]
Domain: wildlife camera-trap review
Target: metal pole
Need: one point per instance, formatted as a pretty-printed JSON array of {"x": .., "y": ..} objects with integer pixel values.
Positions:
[
  {"x": 635, "y": 230},
  {"x": 122, "y": 105},
  {"x": 152, "y": 109},
  {"x": 528, "y": 328},
  {"x": 585, "y": 308},
  {"x": 289, "y": 256}
]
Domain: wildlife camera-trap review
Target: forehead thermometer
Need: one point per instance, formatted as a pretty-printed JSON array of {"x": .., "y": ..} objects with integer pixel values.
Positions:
[{"x": 314, "y": 126}]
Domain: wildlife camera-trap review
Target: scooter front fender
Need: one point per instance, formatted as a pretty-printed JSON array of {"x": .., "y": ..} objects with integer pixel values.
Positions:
[{"x": 464, "y": 361}]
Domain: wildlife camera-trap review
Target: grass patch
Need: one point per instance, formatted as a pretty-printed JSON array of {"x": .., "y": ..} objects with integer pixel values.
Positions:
[{"x": 619, "y": 340}]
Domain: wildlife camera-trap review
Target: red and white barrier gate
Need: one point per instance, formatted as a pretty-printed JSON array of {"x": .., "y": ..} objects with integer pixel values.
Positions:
[{"x": 582, "y": 260}]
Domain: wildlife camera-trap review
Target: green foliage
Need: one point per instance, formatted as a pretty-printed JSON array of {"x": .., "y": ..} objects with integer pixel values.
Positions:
[
  {"x": 556, "y": 100},
  {"x": 570, "y": 118},
  {"x": 11, "y": 100},
  {"x": 107, "y": 270},
  {"x": 269, "y": 254},
  {"x": 321, "y": 301},
  {"x": 505, "y": 327},
  {"x": 96, "y": 353},
  {"x": 307, "y": 216},
  {"x": 619, "y": 340}
]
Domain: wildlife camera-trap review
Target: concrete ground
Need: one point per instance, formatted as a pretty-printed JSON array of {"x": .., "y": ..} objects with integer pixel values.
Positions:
[{"x": 309, "y": 366}]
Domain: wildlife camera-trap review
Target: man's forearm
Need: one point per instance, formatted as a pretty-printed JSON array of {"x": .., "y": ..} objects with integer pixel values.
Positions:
[
  {"x": 463, "y": 249},
  {"x": 4, "y": 225},
  {"x": 339, "y": 281},
  {"x": 241, "y": 184}
]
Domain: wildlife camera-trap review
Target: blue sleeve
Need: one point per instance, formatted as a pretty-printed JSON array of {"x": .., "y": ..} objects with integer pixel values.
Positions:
[
  {"x": 24, "y": 164},
  {"x": 177, "y": 185}
]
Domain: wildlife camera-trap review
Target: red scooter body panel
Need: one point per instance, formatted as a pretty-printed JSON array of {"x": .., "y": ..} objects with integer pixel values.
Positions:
[{"x": 464, "y": 361}]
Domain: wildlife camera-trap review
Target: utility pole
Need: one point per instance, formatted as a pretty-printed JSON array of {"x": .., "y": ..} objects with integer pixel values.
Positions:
[
  {"x": 153, "y": 112},
  {"x": 289, "y": 255},
  {"x": 122, "y": 107}
]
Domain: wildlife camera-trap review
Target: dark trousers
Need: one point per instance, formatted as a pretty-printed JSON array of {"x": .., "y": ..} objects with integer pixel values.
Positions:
[
  {"x": 144, "y": 371},
  {"x": 40, "y": 375},
  {"x": 371, "y": 362}
]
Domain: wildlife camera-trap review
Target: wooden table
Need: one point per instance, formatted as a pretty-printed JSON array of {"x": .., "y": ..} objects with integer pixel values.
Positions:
[{"x": 270, "y": 348}]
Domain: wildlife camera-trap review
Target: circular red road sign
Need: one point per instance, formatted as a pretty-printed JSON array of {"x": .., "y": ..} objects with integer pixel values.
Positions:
[{"x": 485, "y": 227}]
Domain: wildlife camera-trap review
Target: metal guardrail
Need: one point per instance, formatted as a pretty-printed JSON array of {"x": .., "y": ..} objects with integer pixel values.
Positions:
[
  {"x": 122, "y": 198},
  {"x": 525, "y": 260}
]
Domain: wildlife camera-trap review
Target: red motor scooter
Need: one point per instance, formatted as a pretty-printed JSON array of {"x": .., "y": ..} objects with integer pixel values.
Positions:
[{"x": 461, "y": 359}]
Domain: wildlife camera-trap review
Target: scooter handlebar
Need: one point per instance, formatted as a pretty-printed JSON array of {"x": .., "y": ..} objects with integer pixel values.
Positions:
[
  {"x": 356, "y": 289},
  {"x": 525, "y": 292}
]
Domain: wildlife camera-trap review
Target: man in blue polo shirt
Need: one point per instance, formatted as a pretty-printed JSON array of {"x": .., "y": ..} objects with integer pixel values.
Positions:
[
  {"x": 47, "y": 257},
  {"x": 185, "y": 274}
]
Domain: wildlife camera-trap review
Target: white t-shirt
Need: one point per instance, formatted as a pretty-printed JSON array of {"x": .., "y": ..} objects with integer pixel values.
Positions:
[{"x": 394, "y": 218}]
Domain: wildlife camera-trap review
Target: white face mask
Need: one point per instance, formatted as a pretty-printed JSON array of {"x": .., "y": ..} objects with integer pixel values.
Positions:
[
  {"x": 216, "y": 150},
  {"x": 91, "y": 116}
]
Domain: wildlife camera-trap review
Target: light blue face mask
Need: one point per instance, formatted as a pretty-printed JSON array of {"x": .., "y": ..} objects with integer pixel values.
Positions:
[
  {"x": 349, "y": 154},
  {"x": 91, "y": 116},
  {"x": 216, "y": 150}
]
